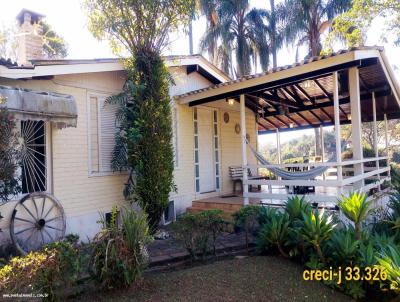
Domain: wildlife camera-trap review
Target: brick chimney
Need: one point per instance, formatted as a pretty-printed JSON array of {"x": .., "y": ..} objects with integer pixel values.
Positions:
[{"x": 30, "y": 41}]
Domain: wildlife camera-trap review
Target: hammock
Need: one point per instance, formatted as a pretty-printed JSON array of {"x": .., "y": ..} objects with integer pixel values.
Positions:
[{"x": 310, "y": 174}]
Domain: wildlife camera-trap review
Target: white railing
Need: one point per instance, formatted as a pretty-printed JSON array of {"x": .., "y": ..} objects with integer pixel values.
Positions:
[{"x": 341, "y": 184}]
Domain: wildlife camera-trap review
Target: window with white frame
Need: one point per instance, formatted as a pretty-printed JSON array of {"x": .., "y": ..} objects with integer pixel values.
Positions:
[
  {"x": 101, "y": 134},
  {"x": 175, "y": 135}
]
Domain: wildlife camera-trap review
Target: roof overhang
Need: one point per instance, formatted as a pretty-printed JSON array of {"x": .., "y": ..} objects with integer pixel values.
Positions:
[
  {"x": 45, "y": 68},
  {"x": 303, "y": 107},
  {"x": 26, "y": 104}
]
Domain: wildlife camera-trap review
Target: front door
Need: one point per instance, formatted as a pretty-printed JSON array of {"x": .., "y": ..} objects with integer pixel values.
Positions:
[{"x": 206, "y": 154}]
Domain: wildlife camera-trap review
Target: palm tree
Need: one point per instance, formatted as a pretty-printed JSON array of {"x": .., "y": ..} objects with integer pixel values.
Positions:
[
  {"x": 304, "y": 21},
  {"x": 209, "y": 9},
  {"x": 275, "y": 35},
  {"x": 241, "y": 34}
]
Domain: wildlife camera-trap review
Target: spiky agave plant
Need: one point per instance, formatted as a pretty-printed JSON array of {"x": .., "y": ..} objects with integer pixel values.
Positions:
[
  {"x": 344, "y": 246},
  {"x": 275, "y": 233},
  {"x": 389, "y": 264},
  {"x": 356, "y": 207},
  {"x": 295, "y": 207},
  {"x": 317, "y": 227}
]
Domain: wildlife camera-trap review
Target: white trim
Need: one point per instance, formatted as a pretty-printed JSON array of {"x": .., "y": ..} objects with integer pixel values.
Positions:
[
  {"x": 216, "y": 190},
  {"x": 176, "y": 133},
  {"x": 299, "y": 70},
  {"x": 91, "y": 66},
  {"x": 262, "y": 79}
]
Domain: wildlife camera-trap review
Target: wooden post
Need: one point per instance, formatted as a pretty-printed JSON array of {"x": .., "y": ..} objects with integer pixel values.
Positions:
[
  {"x": 375, "y": 135},
  {"x": 337, "y": 129},
  {"x": 278, "y": 148},
  {"x": 386, "y": 140},
  {"x": 321, "y": 132},
  {"x": 278, "y": 145},
  {"x": 356, "y": 126},
  {"x": 244, "y": 148}
]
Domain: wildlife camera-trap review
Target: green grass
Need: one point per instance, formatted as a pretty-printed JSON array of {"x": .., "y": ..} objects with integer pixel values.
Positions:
[{"x": 249, "y": 279}]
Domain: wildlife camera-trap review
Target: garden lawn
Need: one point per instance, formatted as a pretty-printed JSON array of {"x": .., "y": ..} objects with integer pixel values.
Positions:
[{"x": 260, "y": 278}]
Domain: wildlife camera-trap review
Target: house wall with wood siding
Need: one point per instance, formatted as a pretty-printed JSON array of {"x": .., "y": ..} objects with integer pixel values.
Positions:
[{"x": 84, "y": 195}]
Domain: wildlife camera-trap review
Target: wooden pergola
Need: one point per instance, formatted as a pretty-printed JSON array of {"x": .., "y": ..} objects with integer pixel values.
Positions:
[{"x": 348, "y": 87}]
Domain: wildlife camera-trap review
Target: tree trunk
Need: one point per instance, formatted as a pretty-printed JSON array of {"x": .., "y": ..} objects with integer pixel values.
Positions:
[
  {"x": 190, "y": 37},
  {"x": 318, "y": 143},
  {"x": 283, "y": 253},
  {"x": 313, "y": 49},
  {"x": 319, "y": 252},
  {"x": 273, "y": 36}
]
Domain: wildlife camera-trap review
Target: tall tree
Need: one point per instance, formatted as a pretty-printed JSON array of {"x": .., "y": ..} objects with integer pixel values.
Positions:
[
  {"x": 208, "y": 8},
  {"x": 304, "y": 22},
  {"x": 144, "y": 142},
  {"x": 352, "y": 26},
  {"x": 241, "y": 34},
  {"x": 54, "y": 46},
  {"x": 274, "y": 33}
]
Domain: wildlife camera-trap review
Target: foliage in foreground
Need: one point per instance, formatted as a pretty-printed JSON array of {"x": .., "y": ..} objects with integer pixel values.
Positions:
[
  {"x": 52, "y": 271},
  {"x": 356, "y": 208},
  {"x": 119, "y": 254},
  {"x": 320, "y": 241}
]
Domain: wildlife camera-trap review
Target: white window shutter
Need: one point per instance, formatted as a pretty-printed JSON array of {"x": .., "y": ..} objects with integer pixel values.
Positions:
[{"x": 107, "y": 134}]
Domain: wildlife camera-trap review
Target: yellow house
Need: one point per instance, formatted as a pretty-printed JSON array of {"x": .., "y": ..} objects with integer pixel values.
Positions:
[
  {"x": 68, "y": 134},
  {"x": 68, "y": 137}
]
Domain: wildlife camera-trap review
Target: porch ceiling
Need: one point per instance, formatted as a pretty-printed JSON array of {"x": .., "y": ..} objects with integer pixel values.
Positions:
[{"x": 304, "y": 99}]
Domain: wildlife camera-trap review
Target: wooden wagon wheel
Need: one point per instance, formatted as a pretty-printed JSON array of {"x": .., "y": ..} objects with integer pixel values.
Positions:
[{"x": 38, "y": 219}]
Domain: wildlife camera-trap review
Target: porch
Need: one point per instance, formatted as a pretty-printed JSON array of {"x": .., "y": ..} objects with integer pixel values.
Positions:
[{"x": 349, "y": 88}]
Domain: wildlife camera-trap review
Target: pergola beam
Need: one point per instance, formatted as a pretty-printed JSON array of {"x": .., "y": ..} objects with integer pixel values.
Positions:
[{"x": 304, "y": 118}]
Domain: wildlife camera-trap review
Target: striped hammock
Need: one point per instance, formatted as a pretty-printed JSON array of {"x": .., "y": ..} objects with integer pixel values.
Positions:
[{"x": 309, "y": 174}]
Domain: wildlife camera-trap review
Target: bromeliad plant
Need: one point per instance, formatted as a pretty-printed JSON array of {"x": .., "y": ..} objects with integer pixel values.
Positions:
[{"x": 356, "y": 207}]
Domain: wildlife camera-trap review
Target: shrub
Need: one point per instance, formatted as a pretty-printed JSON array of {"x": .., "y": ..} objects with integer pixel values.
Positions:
[
  {"x": 195, "y": 231},
  {"x": 265, "y": 215},
  {"x": 213, "y": 224},
  {"x": 9, "y": 155},
  {"x": 52, "y": 271},
  {"x": 247, "y": 219},
  {"x": 356, "y": 208},
  {"x": 119, "y": 255}
]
